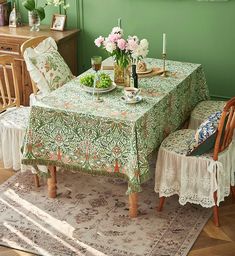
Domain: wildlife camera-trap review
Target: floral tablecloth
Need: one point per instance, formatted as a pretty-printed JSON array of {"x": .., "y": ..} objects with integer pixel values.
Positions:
[{"x": 69, "y": 129}]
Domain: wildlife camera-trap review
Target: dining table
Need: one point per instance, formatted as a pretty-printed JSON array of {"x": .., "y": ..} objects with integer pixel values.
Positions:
[{"x": 68, "y": 128}]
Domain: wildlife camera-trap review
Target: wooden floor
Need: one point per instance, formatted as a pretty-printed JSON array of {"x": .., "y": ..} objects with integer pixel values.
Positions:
[{"x": 212, "y": 241}]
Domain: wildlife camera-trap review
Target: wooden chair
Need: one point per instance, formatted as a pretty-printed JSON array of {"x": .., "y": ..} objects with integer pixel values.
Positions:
[
  {"x": 8, "y": 100},
  {"x": 13, "y": 118},
  {"x": 169, "y": 182},
  {"x": 33, "y": 42}
]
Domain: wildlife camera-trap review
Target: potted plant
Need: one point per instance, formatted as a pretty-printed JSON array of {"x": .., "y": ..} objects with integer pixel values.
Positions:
[{"x": 37, "y": 13}]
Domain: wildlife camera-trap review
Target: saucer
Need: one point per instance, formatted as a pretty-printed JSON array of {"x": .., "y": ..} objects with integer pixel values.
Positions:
[
  {"x": 135, "y": 100},
  {"x": 149, "y": 70}
]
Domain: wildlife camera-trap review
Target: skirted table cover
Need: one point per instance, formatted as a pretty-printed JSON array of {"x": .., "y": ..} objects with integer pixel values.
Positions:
[{"x": 68, "y": 128}]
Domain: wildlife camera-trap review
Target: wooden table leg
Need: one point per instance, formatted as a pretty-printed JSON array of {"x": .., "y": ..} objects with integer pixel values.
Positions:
[
  {"x": 51, "y": 182},
  {"x": 36, "y": 181},
  {"x": 133, "y": 205},
  {"x": 161, "y": 203},
  {"x": 233, "y": 191}
]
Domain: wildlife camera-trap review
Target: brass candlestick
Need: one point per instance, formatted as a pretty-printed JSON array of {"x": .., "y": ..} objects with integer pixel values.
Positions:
[{"x": 164, "y": 73}]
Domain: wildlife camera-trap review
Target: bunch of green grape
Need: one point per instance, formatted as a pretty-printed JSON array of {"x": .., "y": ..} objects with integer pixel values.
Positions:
[
  {"x": 87, "y": 80},
  {"x": 103, "y": 81}
]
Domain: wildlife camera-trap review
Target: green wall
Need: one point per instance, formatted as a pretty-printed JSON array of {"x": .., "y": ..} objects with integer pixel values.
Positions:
[{"x": 200, "y": 32}]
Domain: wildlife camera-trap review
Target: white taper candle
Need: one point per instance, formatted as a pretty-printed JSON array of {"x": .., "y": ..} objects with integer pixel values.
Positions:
[
  {"x": 120, "y": 23},
  {"x": 164, "y": 44}
]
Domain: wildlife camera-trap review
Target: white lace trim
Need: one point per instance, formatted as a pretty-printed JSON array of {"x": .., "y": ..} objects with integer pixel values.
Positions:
[
  {"x": 13, "y": 123},
  {"x": 194, "y": 178}
]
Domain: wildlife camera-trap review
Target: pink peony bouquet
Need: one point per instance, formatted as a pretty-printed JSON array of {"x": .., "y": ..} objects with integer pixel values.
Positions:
[{"x": 123, "y": 50}]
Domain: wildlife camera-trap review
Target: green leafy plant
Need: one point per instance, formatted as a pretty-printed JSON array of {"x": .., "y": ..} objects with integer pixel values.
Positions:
[{"x": 31, "y": 5}]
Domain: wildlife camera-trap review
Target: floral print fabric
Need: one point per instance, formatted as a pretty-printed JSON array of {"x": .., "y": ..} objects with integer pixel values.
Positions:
[
  {"x": 68, "y": 128},
  {"x": 46, "y": 66},
  {"x": 208, "y": 127},
  {"x": 206, "y": 130},
  {"x": 178, "y": 141},
  {"x": 53, "y": 67},
  {"x": 203, "y": 110}
]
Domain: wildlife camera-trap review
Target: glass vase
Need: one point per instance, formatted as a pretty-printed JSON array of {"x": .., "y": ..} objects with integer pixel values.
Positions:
[
  {"x": 34, "y": 21},
  {"x": 121, "y": 75}
]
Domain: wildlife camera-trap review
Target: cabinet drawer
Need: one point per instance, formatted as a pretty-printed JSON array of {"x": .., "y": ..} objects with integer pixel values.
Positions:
[
  {"x": 11, "y": 48},
  {"x": 10, "y": 45}
]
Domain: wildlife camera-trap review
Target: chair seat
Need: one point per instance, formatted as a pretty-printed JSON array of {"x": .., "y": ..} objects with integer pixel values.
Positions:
[
  {"x": 15, "y": 118},
  {"x": 203, "y": 110},
  {"x": 178, "y": 141},
  {"x": 192, "y": 178},
  {"x": 13, "y": 124}
]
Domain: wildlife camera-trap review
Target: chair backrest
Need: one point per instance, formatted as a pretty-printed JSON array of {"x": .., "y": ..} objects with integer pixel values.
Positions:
[
  {"x": 33, "y": 42},
  {"x": 226, "y": 128},
  {"x": 7, "y": 98}
]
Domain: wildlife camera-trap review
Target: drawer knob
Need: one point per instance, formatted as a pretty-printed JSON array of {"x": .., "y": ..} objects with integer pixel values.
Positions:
[{"x": 6, "y": 48}]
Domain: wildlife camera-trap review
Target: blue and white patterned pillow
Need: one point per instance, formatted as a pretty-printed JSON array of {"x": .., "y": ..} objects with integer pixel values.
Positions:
[{"x": 205, "y": 135}]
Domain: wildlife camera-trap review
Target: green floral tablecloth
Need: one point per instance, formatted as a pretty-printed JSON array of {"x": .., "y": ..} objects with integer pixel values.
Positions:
[{"x": 68, "y": 128}]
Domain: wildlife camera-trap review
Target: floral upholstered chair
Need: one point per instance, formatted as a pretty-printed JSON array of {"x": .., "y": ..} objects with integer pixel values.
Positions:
[
  {"x": 203, "y": 110},
  {"x": 47, "y": 68},
  {"x": 13, "y": 117},
  {"x": 204, "y": 178}
]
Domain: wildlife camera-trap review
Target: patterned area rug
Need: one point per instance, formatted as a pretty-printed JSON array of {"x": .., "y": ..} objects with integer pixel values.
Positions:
[{"x": 90, "y": 217}]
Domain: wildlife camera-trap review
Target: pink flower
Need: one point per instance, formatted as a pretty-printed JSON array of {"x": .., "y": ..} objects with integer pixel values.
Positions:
[
  {"x": 121, "y": 44},
  {"x": 114, "y": 37},
  {"x": 132, "y": 44},
  {"x": 99, "y": 41},
  {"x": 132, "y": 47},
  {"x": 110, "y": 47}
]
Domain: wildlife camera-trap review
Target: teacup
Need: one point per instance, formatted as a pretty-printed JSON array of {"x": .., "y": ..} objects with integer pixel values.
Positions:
[{"x": 131, "y": 92}]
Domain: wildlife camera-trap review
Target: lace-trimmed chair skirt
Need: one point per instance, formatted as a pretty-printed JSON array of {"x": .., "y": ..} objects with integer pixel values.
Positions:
[
  {"x": 202, "y": 111},
  {"x": 13, "y": 124},
  {"x": 192, "y": 178}
]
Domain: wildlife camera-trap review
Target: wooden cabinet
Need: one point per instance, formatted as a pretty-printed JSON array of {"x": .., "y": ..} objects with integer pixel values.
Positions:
[{"x": 11, "y": 40}]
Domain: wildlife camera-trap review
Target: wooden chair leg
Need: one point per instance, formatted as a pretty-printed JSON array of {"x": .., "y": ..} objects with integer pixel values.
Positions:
[
  {"x": 216, "y": 210},
  {"x": 36, "y": 181},
  {"x": 161, "y": 203},
  {"x": 51, "y": 182},
  {"x": 233, "y": 191},
  {"x": 133, "y": 205}
]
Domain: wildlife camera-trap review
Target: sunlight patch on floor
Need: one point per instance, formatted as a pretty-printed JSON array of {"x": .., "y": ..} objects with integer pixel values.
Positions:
[
  {"x": 49, "y": 220},
  {"x": 39, "y": 226},
  {"x": 61, "y": 226},
  {"x": 25, "y": 239}
]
